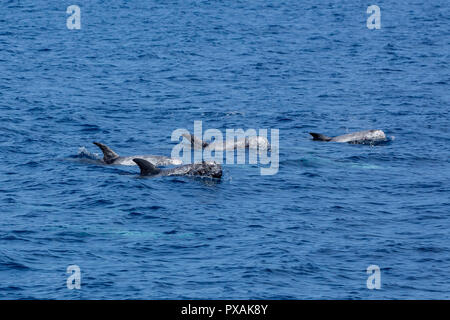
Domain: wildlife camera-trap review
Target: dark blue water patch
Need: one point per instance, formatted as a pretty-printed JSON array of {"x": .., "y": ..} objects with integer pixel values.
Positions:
[
  {"x": 89, "y": 128},
  {"x": 8, "y": 264},
  {"x": 170, "y": 232}
]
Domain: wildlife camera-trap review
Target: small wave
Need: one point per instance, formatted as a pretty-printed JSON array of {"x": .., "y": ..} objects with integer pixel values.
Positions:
[
  {"x": 7, "y": 263},
  {"x": 85, "y": 156},
  {"x": 84, "y": 153}
]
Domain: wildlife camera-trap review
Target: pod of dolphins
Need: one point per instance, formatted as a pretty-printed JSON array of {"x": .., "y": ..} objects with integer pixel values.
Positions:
[{"x": 148, "y": 164}]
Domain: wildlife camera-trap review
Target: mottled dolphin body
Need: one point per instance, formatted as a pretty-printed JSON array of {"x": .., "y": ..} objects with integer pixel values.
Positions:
[
  {"x": 110, "y": 157},
  {"x": 243, "y": 143},
  {"x": 360, "y": 137},
  {"x": 204, "y": 169}
]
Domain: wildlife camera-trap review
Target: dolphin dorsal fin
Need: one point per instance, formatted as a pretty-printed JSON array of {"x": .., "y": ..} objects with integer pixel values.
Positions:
[
  {"x": 147, "y": 169},
  {"x": 319, "y": 136},
  {"x": 108, "y": 155},
  {"x": 194, "y": 140}
]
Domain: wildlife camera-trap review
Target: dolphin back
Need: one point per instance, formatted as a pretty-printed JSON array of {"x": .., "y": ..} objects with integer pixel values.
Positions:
[
  {"x": 195, "y": 142},
  {"x": 147, "y": 169},
  {"x": 367, "y": 136},
  {"x": 203, "y": 169},
  {"x": 108, "y": 154},
  {"x": 320, "y": 137}
]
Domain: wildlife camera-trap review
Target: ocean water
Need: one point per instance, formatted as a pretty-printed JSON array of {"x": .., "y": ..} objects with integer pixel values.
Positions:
[{"x": 137, "y": 70}]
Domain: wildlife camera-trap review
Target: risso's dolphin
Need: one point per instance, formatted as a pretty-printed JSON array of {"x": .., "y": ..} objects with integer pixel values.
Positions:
[
  {"x": 252, "y": 142},
  {"x": 204, "y": 169},
  {"x": 361, "y": 137},
  {"x": 110, "y": 157}
]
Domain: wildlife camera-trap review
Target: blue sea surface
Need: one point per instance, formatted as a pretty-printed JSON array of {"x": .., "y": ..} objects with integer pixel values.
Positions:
[{"x": 138, "y": 70}]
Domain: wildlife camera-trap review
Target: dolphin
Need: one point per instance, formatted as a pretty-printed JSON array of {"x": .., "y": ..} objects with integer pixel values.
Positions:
[
  {"x": 110, "y": 157},
  {"x": 360, "y": 137},
  {"x": 204, "y": 169},
  {"x": 252, "y": 142}
]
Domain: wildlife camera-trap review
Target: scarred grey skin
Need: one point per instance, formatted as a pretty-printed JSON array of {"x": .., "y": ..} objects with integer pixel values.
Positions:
[
  {"x": 110, "y": 157},
  {"x": 244, "y": 143},
  {"x": 204, "y": 169},
  {"x": 367, "y": 136}
]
